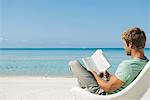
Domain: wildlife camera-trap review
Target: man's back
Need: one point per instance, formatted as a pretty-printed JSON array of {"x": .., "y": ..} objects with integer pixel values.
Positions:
[{"x": 128, "y": 70}]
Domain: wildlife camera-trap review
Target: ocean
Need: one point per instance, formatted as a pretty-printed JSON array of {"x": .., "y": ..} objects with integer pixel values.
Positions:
[{"x": 52, "y": 61}]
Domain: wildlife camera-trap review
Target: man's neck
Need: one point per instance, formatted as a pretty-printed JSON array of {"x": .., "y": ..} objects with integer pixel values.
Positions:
[{"x": 137, "y": 54}]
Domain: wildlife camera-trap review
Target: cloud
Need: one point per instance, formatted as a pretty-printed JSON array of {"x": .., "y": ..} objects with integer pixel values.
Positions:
[
  {"x": 24, "y": 41},
  {"x": 3, "y": 39}
]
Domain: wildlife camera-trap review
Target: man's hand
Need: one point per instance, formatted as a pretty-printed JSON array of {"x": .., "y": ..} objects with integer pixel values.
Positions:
[
  {"x": 101, "y": 74},
  {"x": 108, "y": 85},
  {"x": 93, "y": 72},
  {"x": 106, "y": 74}
]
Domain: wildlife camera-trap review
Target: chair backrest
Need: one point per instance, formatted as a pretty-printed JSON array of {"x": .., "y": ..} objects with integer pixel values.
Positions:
[
  {"x": 134, "y": 91},
  {"x": 138, "y": 87}
]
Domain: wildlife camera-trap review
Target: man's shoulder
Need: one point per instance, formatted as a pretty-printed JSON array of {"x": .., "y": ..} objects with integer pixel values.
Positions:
[
  {"x": 127, "y": 62},
  {"x": 133, "y": 62}
]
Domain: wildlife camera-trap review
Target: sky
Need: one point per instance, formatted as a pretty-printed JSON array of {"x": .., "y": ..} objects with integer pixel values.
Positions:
[{"x": 70, "y": 23}]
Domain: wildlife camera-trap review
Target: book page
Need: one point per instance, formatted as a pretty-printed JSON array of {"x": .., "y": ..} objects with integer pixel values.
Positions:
[
  {"x": 89, "y": 63},
  {"x": 100, "y": 61}
]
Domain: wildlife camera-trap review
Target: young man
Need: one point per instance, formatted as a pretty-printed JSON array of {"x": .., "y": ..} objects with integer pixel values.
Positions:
[{"x": 134, "y": 42}]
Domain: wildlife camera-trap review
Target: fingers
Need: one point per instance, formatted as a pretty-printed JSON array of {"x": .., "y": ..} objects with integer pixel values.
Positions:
[{"x": 101, "y": 74}]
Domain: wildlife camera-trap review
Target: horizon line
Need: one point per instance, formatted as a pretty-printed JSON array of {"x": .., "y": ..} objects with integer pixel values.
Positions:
[{"x": 60, "y": 48}]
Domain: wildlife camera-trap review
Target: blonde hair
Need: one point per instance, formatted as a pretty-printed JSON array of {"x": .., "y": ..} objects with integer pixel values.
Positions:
[{"x": 135, "y": 36}]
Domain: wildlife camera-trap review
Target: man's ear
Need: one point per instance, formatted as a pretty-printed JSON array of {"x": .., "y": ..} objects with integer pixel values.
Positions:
[{"x": 131, "y": 45}]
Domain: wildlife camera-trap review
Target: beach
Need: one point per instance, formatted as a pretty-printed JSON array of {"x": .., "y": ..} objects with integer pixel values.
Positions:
[
  {"x": 38, "y": 39},
  {"x": 39, "y": 88},
  {"x": 44, "y": 74}
]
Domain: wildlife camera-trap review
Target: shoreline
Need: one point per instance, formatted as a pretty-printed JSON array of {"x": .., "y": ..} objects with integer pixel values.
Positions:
[{"x": 36, "y": 76}]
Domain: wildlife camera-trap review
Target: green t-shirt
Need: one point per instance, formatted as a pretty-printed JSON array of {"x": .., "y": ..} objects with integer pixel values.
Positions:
[{"x": 128, "y": 70}]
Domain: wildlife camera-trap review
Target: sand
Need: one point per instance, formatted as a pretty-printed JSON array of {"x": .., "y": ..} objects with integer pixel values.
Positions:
[{"x": 39, "y": 88}]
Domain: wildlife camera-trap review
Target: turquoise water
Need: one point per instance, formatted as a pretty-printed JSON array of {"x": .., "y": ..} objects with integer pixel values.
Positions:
[{"x": 51, "y": 61}]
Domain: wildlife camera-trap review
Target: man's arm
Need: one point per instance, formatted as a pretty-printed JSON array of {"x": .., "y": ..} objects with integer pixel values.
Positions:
[{"x": 108, "y": 86}]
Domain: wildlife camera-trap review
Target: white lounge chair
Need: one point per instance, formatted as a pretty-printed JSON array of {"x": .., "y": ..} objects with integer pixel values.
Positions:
[{"x": 134, "y": 91}]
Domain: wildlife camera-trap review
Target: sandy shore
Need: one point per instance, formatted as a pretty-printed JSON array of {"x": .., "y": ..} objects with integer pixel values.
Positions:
[{"x": 39, "y": 88}]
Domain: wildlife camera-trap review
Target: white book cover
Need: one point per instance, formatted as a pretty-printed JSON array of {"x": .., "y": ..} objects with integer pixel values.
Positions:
[{"x": 97, "y": 62}]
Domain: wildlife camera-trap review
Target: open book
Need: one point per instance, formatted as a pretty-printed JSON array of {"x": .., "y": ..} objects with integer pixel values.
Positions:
[{"x": 97, "y": 62}]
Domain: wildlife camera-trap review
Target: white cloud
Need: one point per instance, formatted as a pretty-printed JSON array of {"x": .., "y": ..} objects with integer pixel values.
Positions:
[
  {"x": 23, "y": 41},
  {"x": 3, "y": 39}
]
